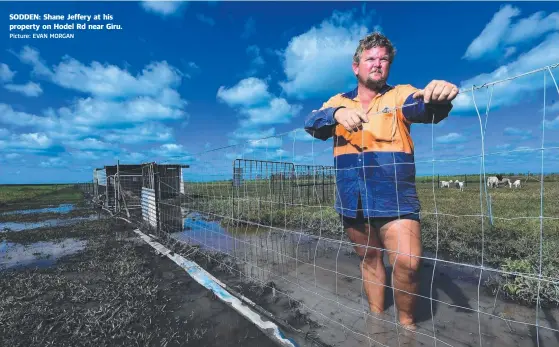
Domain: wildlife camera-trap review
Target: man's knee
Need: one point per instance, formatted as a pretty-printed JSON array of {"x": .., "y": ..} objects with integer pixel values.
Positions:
[{"x": 406, "y": 267}]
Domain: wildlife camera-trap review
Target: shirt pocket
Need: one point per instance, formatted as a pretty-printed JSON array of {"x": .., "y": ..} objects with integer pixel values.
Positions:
[{"x": 382, "y": 128}]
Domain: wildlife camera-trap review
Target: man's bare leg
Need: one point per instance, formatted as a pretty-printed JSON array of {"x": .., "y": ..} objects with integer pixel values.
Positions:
[
  {"x": 372, "y": 267},
  {"x": 404, "y": 237}
]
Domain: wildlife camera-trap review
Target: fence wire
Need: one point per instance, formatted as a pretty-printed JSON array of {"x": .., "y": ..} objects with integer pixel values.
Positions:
[{"x": 488, "y": 272}]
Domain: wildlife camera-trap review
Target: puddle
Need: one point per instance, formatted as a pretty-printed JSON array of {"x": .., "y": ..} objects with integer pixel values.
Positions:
[
  {"x": 62, "y": 208},
  {"x": 208, "y": 234},
  {"x": 21, "y": 226},
  {"x": 212, "y": 236},
  {"x": 39, "y": 254}
]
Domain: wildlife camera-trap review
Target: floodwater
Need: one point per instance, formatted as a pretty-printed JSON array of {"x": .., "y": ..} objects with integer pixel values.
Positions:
[
  {"x": 324, "y": 274},
  {"x": 38, "y": 254},
  {"x": 22, "y": 226},
  {"x": 62, "y": 208}
]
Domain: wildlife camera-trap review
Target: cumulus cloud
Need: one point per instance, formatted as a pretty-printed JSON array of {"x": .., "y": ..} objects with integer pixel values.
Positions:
[
  {"x": 256, "y": 60},
  {"x": 131, "y": 157},
  {"x": 98, "y": 113},
  {"x": 451, "y": 138},
  {"x": 523, "y": 134},
  {"x": 317, "y": 63},
  {"x": 173, "y": 152},
  {"x": 256, "y": 104},
  {"x": 156, "y": 80},
  {"x": 90, "y": 144},
  {"x": 164, "y": 8},
  {"x": 31, "y": 89},
  {"x": 515, "y": 91},
  {"x": 248, "y": 92},
  {"x": 6, "y": 74},
  {"x": 39, "y": 143},
  {"x": 145, "y": 133},
  {"x": 119, "y": 108},
  {"x": 54, "y": 163},
  {"x": 117, "y": 97},
  {"x": 301, "y": 135},
  {"x": 501, "y": 34},
  {"x": 277, "y": 111},
  {"x": 552, "y": 124}
]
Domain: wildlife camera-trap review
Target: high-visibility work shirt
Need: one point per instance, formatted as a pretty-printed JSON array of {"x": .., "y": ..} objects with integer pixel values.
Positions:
[{"x": 376, "y": 163}]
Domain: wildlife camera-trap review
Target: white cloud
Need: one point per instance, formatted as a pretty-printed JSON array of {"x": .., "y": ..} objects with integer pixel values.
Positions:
[
  {"x": 90, "y": 144},
  {"x": 252, "y": 133},
  {"x": 451, "y": 138},
  {"x": 92, "y": 112},
  {"x": 151, "y": 132},
  {"x": 248, "y": 92},
  {"x": 173, "y": 152},
  {"x": 54, "y": 163},
  {"x": 532, "y": 27},
  {"x": 552, "y": 124},
  {"x": 271, "y": 143},
  {"x": 492, "y": 34},
  {"x": 301, "y": 135},
  {"x": 120, "y": 107},
  {"x": 318, "y": 62},
  {"x": 117, "y": 96},
  {"x": 523, "y": 134},
  {"x": 31, "y": 89},
  {"x": 10, "y": 116},
  {"x": 85, "y": 155},
  {"x": 31, "y": 56},
  {"x": 254, "y": 52},
  {"x": 499, "y": 36},
  {"x": 277, "y": 111},
  {"x": 27, "y": 142},
  {"x": 6, "y": 75},
  {"x": 131, "y": 157},
  {"x": 513, "y": 91},
  {"x": 164, "y": 8}
]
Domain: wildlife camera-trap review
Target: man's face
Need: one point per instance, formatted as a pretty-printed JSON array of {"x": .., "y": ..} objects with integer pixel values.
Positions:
[{"x": 373, "y": 68}]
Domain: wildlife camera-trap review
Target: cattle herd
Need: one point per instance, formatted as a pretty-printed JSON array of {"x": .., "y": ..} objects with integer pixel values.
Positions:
[{"x": 492, "y": 182}]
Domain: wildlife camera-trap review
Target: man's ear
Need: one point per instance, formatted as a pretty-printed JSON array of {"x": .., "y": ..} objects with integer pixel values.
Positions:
[{"x": 355, "y": 68}]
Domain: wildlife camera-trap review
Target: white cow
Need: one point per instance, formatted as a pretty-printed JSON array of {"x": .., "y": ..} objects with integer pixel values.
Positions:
[
  {"x": 445, "y": 184},
  {"x": 460, "y": 185},
  {"x": 516, "y": 184},
  {"x": 492, "y": 182},
  {"x": 506, "y": 181}
]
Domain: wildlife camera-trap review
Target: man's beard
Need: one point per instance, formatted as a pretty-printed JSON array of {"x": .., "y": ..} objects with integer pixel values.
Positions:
[{"x": 374, "y": 85}]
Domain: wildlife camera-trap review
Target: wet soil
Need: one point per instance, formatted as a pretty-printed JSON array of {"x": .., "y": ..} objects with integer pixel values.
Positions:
[{"x": 113, "y": 290}]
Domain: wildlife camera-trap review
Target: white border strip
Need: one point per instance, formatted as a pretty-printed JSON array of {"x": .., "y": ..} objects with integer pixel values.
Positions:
[{"x": 217, "y": 287}]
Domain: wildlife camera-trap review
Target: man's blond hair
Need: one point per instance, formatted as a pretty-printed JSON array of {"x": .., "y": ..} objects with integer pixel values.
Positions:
[{"x": 375, "y": 39}]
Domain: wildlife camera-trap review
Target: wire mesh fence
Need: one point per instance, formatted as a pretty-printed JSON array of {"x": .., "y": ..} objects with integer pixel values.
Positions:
[{"x": 487, "y": 273}]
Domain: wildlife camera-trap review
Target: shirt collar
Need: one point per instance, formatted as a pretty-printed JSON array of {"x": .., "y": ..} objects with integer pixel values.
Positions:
[{"x": 353, "y": 93}]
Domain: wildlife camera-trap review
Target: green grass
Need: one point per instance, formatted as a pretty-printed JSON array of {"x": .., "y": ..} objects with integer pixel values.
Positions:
[
  {"x": 28, "y": 196},
  {"x": 455, "y": 229}
]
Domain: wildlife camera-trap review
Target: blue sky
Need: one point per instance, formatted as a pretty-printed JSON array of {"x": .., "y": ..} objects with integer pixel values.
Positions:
[{"x": 182, "y": 79}]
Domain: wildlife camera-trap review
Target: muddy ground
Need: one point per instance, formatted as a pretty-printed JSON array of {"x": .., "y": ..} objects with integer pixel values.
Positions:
[
  {"x": 94, "y": 283},
  {"x": 318, "y": 289}
]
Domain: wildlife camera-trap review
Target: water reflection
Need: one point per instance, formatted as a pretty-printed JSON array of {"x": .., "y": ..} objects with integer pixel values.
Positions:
[
  {"x": 38, "y": 254},
  {"x": 21, "y": 226},
  {"x": 62, "y": 208}
]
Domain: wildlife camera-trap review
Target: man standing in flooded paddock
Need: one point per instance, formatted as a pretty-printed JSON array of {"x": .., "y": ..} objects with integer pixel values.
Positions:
[{"x": 375, "y": 169}]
